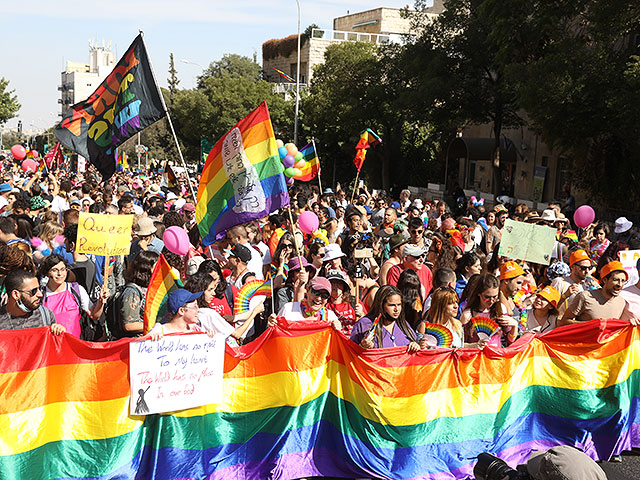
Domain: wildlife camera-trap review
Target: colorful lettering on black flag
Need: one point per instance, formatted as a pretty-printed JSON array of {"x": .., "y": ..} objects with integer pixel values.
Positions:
[{"x": 126, "y": 102}]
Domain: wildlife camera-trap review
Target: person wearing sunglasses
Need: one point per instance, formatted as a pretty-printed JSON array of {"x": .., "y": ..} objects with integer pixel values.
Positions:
[
  {"x": 416, "y": 232},
  {"x": 481, "y": 293},
  {"x": 312, "y": 307},
  {"x": 24, "y": 307},
  {"x": 580, "y": 264},
  {"x": 412, "y": 257},
  {"x": 183, "y": 309}
]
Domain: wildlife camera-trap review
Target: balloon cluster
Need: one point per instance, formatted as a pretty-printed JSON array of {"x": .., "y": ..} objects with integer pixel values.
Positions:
[{"x": 292, "y": 160}]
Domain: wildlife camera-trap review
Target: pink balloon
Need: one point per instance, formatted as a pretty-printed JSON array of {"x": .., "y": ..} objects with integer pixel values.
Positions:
[
  {"x": 308, "y": 222},
  {"x": 584, "y": 216},
  {"x": 29, "y": 165},
  {"x": 35, "y": 153},
  {"x": 18, "y": 152},
  {"x": 176, "y": 240}
]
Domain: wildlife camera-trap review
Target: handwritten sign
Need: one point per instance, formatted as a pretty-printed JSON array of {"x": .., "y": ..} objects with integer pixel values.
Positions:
[
  {"x": 629, "y": 260},
  {"x": 104, "y": 234},
  {"x": 526, "y": 241},
  {"x": 242, "y": 174},
  {"x": 175, "y": 373}
]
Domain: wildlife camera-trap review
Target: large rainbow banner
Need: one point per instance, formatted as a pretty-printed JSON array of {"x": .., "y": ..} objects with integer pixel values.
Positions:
[{"x": 303, "y": 400}]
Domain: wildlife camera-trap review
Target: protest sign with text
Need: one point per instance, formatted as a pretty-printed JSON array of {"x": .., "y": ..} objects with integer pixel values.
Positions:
[
  {"x": 526, "y": 241},
  {"x": 175, "y": 373},
  {"x": 101, "y": 234},
  {"x": 629, "y": 260}
]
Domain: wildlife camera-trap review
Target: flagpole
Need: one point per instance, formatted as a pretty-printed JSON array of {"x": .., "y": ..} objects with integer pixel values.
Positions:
[
  {"x": 173, "y": 132},
  {"x": 313, "y": 142},
  {"x": 353, "y": 192}
]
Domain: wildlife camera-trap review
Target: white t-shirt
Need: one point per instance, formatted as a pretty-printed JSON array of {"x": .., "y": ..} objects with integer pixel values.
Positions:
[
  {"x": 255, "y": 264},
  {"x": 59, "y": 204},
  {"x": 291, "y": 311},
  {"x": 212, "y": 320},
  {"x": 632, "y": 296}
]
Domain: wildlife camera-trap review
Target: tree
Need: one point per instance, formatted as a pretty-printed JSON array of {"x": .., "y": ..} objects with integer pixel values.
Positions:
[
  {"x": 232, "y": 65},
  {"x": 579, "y": 80},
  {"x": 9, "y": 105},
  {"x": 456, "y": 74},
  {"x": 358, "y": 86},
  {"x": 173, "y": 80}
]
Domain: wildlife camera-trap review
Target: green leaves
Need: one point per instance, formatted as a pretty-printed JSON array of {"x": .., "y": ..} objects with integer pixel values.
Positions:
[{"x": 9, "y": 105}]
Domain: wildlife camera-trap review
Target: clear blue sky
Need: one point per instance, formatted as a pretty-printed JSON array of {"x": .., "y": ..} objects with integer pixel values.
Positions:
[{"x": 39, "y": 36}]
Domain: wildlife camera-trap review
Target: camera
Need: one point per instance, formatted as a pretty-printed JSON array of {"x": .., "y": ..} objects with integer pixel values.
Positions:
[{"x": 490, "y": 467}]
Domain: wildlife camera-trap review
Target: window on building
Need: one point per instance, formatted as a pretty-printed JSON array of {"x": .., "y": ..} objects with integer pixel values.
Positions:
[{"x": 545, "y": 161}]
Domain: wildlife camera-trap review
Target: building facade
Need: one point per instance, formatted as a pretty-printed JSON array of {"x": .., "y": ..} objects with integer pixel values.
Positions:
[
  {"x": 80, "y": 80},
  {"x": 379, "y": 26}
]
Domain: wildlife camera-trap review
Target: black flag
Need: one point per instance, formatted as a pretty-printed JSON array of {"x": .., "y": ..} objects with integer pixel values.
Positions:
[{"x": 126, "y": 102}]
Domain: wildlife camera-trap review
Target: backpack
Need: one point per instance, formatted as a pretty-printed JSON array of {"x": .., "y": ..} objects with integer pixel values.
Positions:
[{"x": 112, "y": 313}]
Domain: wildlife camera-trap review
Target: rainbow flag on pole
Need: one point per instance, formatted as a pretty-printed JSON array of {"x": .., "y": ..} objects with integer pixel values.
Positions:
[
  {"x": 368, "y": 139},
  {"x": 242, "y": 179},
  {"x": 312, "y": 167},
  {"x": 163, "y": 280},
  {"x": 302, "y": 401},
  {"x": 284, "y": 75}
]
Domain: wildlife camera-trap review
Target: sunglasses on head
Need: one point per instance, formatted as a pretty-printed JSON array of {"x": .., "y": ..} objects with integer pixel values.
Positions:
[{"x": 321, "y": 293}]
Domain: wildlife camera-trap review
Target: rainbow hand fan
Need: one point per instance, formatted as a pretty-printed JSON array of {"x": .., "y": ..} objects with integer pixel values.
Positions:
[
  {"x": 438, "y": 335},
  {"x": 246, "y": 293},
  {"x": 485, "y": 327}
]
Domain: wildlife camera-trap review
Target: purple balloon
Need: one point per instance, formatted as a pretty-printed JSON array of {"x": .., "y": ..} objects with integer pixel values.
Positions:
[
  {"x": 288, "y": 161},
  {"x": 289, "y": 180}
]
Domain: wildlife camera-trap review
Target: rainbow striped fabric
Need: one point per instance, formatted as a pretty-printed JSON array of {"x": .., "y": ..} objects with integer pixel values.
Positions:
[
  {"x": 312, "y": 167},
  {"x": 303, "y": 400},
  {"x": 242, "y": 179},
  {"x": 163, "y": 280}
]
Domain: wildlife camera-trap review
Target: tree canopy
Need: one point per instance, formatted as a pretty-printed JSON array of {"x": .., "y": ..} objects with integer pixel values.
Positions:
[{"x": 9, "y": 104}]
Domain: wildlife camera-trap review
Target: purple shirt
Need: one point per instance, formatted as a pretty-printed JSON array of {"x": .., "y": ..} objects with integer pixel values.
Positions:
[{"x": 396, "y": 339}]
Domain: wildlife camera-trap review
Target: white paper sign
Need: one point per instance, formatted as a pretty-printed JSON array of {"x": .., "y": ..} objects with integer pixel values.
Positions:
[{"x": 175, "y": 373}]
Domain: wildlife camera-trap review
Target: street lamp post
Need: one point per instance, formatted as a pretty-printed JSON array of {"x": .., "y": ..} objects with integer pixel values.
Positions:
[
  {"x": 184, "y": 60},
  {"x": 295, "y": 123}
]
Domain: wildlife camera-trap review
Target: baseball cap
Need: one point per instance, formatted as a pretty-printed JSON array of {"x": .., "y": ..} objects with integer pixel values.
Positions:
[
  {"x": 611, "y": 267},
  {"x": 179, "y": 297},
  {"x": 563, "y": 463},
  {"x": 337, "y": 275},
  {"x": 241, "y": 252},
  {"x": 189, "y": 207},
  {"x": 320, "y": 283},
  {"x": 413, "y": 250},
  {"x": 510, "y": 269},
  {"x": 5, "y": 187},
  {"x": 550, "y": 294},
  {"x": 578, "y": 256}
]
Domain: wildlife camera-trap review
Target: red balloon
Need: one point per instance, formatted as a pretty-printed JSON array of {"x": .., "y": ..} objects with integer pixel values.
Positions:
[
  {"x": 29, "y": 165},
  {"x": 18, "y": 152}
]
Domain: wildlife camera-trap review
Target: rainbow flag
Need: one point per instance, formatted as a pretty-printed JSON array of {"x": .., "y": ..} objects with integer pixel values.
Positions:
[
  {"x": 312, "y": 167},
  {"x": 242, "y": 179},
  {"x": 163, "y": 280},
  {"x": 121, "y": 162},
  {"x": 284, "y": 75},
  {"x": 302, "y": 400},
  {"x": 368, "y": 139}
]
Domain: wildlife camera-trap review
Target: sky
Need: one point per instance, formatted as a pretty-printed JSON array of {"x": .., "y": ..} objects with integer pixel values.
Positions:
[{"x": 40, "y": 36}]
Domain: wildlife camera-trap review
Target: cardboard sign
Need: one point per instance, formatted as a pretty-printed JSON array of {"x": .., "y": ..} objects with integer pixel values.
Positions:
[
  {"x": 175, "y": 373},
  {"x": 526, "y": 241},
  {"x": 101, "y": 234}
]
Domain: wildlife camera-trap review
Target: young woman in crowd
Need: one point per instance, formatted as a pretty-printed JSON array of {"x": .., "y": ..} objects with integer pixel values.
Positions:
[
  {"x": 68, "y": 301},
  {"x": 444, "y": 311},
  {"x": 46, "y": 244},
  {"x": 467, "y": 266},
  {"x": 340, "y": 301},
  {"x": 542, "y": 314},
  {"x": 222, "y": 299},
  {"x": 483, "y": 293},
  {"x": 391, "y": 330}
]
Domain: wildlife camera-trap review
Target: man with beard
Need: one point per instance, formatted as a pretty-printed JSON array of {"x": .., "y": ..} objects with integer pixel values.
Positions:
[
  {"x": 24, "y": 307},
  {"x": 604, "y": 302}
]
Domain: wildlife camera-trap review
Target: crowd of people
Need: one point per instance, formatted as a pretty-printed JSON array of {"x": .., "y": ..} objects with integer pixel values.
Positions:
[{"x": 379, "y": 269}]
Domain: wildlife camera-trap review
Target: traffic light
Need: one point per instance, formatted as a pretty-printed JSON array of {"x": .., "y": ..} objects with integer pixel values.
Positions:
[{"x": 19, "y": 126}]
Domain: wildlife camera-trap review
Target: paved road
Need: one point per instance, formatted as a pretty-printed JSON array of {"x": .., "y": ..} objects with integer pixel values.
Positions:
[{"x": 629, "y": 469}]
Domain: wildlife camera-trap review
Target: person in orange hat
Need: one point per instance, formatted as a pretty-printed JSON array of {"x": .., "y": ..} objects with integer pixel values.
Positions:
[
  {"x": 581, "y": 265},
  {"x": 542, "y": 315},
  {"x": 603, "y": 303},
  {"x": 505, "y": 311}
]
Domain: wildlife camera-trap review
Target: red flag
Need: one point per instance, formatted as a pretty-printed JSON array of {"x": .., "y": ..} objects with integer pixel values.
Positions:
[{"x": 54, "y": 157}]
